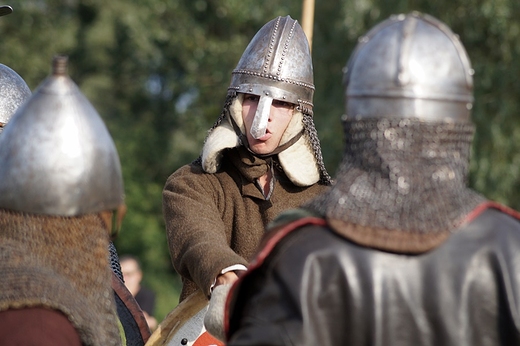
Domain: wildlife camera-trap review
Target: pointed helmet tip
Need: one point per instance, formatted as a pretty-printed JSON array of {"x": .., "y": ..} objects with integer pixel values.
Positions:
[{"x": 59, "y": 65}]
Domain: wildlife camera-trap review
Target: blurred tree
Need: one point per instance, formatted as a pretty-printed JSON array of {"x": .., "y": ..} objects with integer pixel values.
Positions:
[{"x": 157, "y": 71}]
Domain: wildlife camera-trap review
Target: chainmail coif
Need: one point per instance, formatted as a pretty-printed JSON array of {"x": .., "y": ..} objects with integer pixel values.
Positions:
[
  {"x": 114, "y": 261},
  {"x": 60, "y": 263},
  {"x": 402, "y": 183}
]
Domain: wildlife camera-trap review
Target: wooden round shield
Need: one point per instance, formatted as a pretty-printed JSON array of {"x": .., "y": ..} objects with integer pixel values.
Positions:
[{"x": 184, "y": 325}]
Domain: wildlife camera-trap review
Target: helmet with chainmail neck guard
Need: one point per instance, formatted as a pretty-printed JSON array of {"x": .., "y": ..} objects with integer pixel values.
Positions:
[
  {"x": 402, "y": 183},
  {"x": 276, "y": 65},
  {"x": 60, "y": 185}
]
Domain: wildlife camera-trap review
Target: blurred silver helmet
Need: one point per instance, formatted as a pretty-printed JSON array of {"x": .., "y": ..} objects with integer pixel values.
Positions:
[
  {"x": 13, "y": 92},
  {"x": 57, "y": 156},
  {"x": 277, "y": 65},
  {"x": 409, "y": 66},
  {"x": 5, "y": 10}
]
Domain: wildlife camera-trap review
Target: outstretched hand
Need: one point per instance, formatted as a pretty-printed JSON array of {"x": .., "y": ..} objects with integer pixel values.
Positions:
[{"x": 226, "y": 278}]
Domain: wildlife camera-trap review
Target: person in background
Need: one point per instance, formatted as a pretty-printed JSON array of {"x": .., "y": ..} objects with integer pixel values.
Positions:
[
  {"x": 262, "y": 156},
  {"x": 400, "y": 251},
  {"x": 145, "y": 297}
]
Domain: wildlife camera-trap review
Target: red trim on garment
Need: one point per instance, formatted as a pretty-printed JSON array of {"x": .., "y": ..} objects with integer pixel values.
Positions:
[
  {"x": 267, "y": 246},
  {"x": 490, "y": 205}
]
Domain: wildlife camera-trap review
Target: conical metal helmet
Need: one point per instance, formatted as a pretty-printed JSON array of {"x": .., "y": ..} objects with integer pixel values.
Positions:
[
  {"x": 13, "y": 92},
  {"x": 409, "y": 66},
  {"x": 56, "y": 154},
  {"x": 277, "y": 65}
]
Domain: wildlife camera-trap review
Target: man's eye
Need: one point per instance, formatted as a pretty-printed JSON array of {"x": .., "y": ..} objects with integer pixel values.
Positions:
[
  {"x": 283, "y": 104},
  {"x": 250, "y": 97}
]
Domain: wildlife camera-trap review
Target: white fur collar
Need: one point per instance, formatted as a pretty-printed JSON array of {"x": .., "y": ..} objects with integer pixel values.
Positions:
[
  {"x": 222, "y": 137},
  {"x": 299, "y": 163}
]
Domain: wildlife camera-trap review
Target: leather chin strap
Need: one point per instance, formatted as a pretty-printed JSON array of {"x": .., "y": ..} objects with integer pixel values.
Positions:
[{"x": 245, "y": 143}]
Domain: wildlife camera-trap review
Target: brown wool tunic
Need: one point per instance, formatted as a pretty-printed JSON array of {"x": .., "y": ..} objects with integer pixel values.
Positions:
[{"x": 216, "y": 220}]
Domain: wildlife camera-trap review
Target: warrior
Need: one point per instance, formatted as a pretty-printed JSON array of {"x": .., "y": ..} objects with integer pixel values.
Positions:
[
  {"x": 61, "y": 202},
  {"x": 261, "y": 157},
  {"x": 399, "y": 251}
]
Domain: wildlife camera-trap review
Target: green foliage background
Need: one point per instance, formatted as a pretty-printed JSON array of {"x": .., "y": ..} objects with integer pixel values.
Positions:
[{"x": 157, "y": 72}]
